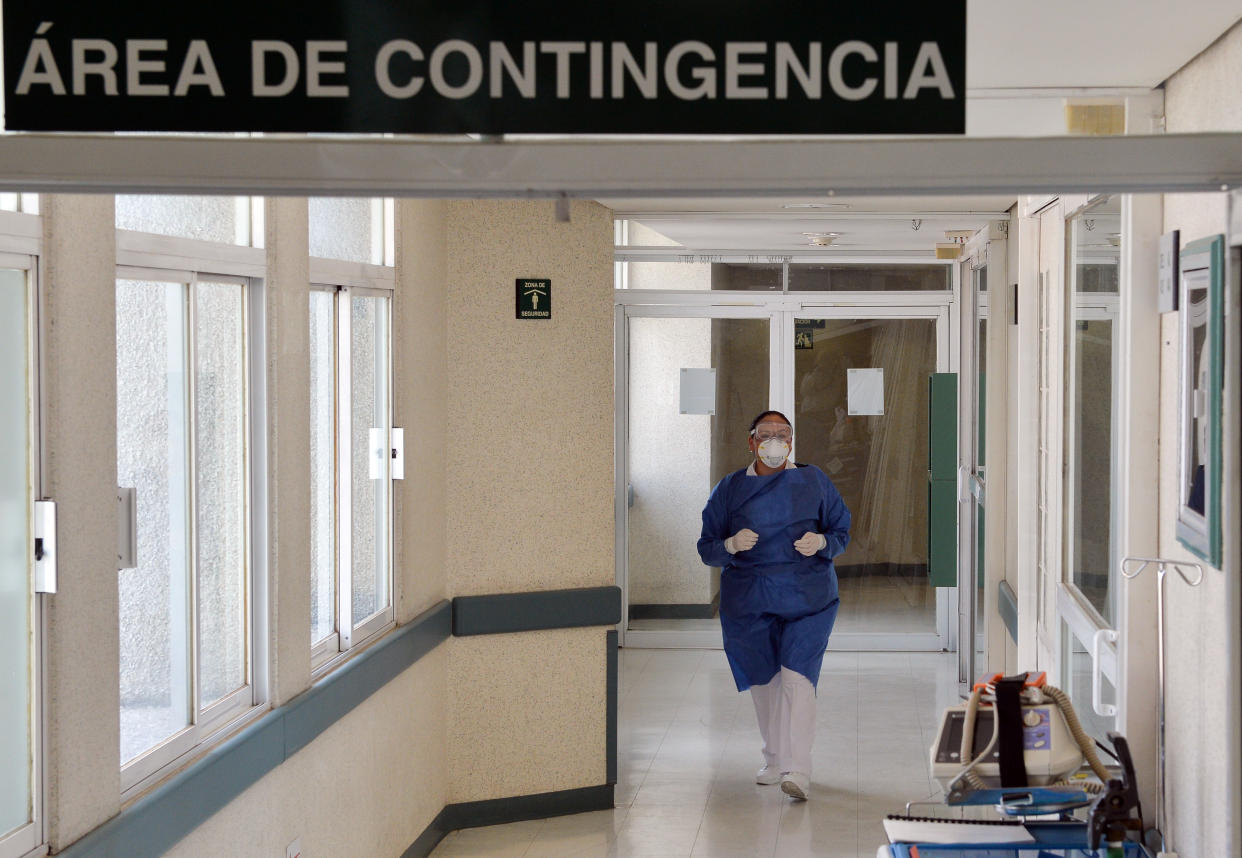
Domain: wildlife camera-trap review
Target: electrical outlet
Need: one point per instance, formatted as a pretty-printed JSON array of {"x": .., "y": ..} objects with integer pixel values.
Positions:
[{"x": 294, "y": 849}]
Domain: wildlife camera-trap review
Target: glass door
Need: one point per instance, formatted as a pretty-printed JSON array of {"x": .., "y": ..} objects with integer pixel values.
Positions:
[
  {"x": 861, "y": 412},
  {"x": 19, "y": 750},
  {"x": 693, "y": 383},
  {"x": 690, "y": 379}
]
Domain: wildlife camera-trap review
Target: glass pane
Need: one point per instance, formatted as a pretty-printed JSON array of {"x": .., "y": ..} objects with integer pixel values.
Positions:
[
  {"x": 1091, "y": 461},
  {"x": 1196, "y": 422},
  {"x": 1076, "y": 674},
  {"x": 323, "y": 464},
  {"x": 820, "y": 277},
  {"x": 1089, "y": 504},
  {"x": 699, "y": 273},
  {"x": 692, "y": 276},
  {"x": 369, "y": 468},
  {"x": 209, "y": 218},
  {"x": 878, "y": 462},
  {"x": 632, "y": 233},
  {"x": 735, "y": 276},
  {"x": 220, "y": 487},
  {"x": 676, "y": 458},
  {"x": 16, "y": 601},
  {"x": 152, "y": 445},
  {"x": 347, "y": 228}
]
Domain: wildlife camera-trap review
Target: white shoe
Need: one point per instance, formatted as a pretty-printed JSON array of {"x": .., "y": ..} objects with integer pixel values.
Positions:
[
  {"x": 796, "y": 785},
  {"x": 768, "y": 775}
]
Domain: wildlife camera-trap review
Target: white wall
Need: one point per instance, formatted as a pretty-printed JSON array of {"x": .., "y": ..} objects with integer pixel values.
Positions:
[{"x": 1202, "y": 719}]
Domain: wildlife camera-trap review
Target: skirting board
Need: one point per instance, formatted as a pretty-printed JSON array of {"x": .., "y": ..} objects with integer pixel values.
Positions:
[
  {"x": 685, "y": 611},
  {"x": 498, "y": 811}
]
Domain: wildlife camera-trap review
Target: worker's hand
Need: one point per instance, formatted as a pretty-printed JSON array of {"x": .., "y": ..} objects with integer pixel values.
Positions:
[
  {"x": 743, "y": 540},
  {"x": 810, "y": 543}
]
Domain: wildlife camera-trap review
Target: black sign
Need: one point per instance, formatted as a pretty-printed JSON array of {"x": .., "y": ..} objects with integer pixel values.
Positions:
[
  {"x": 486, "y": 66},
  {"x": 534, "y": 299}
]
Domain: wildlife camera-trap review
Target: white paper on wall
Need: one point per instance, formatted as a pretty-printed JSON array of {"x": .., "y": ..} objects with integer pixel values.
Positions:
[
  {"x": 865, "y": 390},
  {"x": 698, "y": 390}
]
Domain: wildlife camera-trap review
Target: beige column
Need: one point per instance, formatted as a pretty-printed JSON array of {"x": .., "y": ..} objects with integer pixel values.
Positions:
[
  {"x": 83, "y": 649},
  {"x": 287, "y": 375}
]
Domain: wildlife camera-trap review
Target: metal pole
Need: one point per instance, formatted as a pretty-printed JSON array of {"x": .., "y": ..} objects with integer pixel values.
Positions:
[{"x": 1162, "y": 568}]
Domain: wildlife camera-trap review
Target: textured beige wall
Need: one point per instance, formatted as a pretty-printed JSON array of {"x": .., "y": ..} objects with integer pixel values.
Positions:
[
  {"x": 1203, "y": 96},
  {"x": 420, "y": 379},
  {"x": 528, "y": 713},
  {"x": 83, "y": 703},
  {"x": 288, "y": 482},
  {"x": 530, "y": 404},
  {"x": 530, "y": 489},
  {"x": 369, "y": 785}
]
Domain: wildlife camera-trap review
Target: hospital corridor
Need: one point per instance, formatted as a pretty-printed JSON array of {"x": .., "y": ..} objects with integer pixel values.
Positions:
[{"x": 647, "y": 430}]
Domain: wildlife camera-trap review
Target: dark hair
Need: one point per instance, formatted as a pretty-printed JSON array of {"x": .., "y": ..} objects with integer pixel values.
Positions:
[{"x": 765, "y": 414}]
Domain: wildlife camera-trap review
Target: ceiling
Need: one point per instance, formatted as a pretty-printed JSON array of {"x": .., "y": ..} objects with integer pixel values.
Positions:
[
  {"x": 900, "y": 224},
  {"x": 1018, "y": 52},
  {"x": 1101, "y": 43}
]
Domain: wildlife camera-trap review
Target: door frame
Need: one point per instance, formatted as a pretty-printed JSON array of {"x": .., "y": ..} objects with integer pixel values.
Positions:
[
  {"x": 986, "y": 249},
  {"x": 780, "y": 309}
]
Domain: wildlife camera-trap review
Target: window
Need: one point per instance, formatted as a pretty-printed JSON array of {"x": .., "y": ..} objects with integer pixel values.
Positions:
[
  {"x": 351, "y": 467},
  {"x": 351, "y": 229},
  {"x": 351, "y": 243},
  {"x": 225, "y": 220},
  {"x": 26, "y": 203},
  {"x": 183, "y": 446},
  {"x": 1087, "y": 593}
]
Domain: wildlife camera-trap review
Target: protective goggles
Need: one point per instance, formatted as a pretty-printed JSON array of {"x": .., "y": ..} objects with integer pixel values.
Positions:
[{"x": 766, "y": 431}]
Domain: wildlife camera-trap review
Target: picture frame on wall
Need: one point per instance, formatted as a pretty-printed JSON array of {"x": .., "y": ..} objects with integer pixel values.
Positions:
[{"x": 1201, "y": 307}]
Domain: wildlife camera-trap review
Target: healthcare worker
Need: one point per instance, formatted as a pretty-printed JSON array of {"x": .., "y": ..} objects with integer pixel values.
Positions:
[{"x": 774, "y": 528}]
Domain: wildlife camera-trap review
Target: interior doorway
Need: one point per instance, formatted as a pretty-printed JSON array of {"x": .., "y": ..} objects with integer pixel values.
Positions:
[{"x": 693, "y": 372}]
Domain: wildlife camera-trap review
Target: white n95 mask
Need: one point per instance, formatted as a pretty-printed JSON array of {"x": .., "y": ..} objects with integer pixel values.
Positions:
[{"x": 773, "y": 452}]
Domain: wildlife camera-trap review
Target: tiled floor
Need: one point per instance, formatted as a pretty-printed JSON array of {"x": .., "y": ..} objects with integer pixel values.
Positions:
[{"x": 689, "y": 748}]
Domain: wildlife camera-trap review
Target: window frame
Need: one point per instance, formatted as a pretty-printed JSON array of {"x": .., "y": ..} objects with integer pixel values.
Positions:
[
  {"x": 345, "y": 280},
  {"x": 21, "y": 249},
  {"x": 145, "y": 256}
]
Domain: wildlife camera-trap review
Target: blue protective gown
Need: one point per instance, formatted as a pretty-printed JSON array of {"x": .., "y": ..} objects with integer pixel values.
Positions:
[{"x": 777, "y": 607}]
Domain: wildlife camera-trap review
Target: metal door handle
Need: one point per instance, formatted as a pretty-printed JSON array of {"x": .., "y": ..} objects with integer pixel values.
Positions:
[{"x": 1104, "y": 710}]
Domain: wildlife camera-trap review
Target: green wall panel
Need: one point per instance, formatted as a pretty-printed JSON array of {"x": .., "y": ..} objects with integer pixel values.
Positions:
[{"x": 942, "y": 480}]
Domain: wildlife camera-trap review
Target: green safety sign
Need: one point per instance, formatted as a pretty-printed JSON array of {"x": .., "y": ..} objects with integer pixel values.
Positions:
[{"x": 534, "y": 299}]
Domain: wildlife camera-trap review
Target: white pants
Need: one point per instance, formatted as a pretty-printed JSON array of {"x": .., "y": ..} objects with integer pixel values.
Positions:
[{"x": 786, "y": 711}]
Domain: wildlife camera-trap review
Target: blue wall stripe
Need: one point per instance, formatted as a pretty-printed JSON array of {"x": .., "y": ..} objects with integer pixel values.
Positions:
[
  {"x": 546, "y": 609},
  {"x": 157, "y": 821},
  {"x": 327, "y": 702}
]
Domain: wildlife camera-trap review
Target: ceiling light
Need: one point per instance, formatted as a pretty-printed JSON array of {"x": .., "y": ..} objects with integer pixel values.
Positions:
[
  {"x": 822, "y": 239},
  {"x": 815, "y": 206}
]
